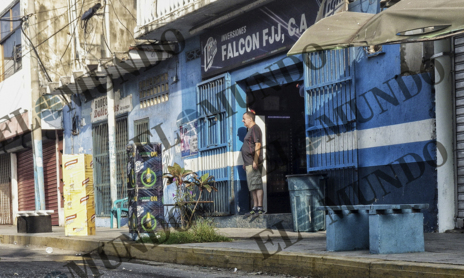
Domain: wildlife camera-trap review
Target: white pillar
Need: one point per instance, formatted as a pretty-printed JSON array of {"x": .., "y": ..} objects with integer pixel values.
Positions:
[
  {"x": 112, "y": 139},
  {"x": 445, "y": 136},
  {"x": 14, "y": 187},
  {"x": 58, "y": 180}
]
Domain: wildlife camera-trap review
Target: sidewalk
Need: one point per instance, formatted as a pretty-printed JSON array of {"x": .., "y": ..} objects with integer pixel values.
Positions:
[{"x": 268, "y": 251}]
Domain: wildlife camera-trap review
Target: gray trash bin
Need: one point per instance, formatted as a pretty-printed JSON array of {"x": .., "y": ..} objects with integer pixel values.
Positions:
[{"x": 307, "y": 192}]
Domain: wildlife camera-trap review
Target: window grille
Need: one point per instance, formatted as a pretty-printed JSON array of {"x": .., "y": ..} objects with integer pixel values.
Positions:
[
  {"x": 102, "y": 166},
  {"x": 154, "y": 90},
  {"x": 141, "y": 131},
  {"x": 214, "y": 139},
  {"x": 331, "y": 119}
]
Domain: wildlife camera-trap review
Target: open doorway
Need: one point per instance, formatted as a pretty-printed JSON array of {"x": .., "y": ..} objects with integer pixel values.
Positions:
[{"x": 283, "y": 111}]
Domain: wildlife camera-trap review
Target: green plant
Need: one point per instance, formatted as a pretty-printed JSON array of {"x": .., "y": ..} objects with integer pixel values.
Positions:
[
  {"x": 204, "y": 182},
  {"x": 202, "y": 230},
  {"x": 186, "y": 201}
]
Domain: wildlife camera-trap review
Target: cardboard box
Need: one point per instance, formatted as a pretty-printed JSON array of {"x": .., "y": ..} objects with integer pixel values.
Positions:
[{"x": 79, "y": 206}]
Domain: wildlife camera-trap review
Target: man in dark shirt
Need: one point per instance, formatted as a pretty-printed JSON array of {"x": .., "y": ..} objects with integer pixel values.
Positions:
[{"x": 253, "y": 162}]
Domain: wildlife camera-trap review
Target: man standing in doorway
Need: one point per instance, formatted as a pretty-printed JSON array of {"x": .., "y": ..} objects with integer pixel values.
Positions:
[{"x": 253, "y": 162}]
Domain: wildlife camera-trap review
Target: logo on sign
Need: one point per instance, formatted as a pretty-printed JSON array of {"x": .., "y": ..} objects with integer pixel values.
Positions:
[
  {"x": 330, "y": 7},
  {"x": 69, "y": 163},
  {"x": 138, "y": 166},
  {"x": 86, "y": 181},
  {"x": 70, "y": 219},
  {"x": 210, "y": 52}
]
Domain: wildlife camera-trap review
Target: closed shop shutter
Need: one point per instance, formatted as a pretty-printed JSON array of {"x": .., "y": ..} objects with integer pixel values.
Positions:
[
  {"x": 26, "y": 192},
  {"x": 459, "y": 100},
  {"x": 50, "y": 179},
  {"x": 5, "y": 190}
]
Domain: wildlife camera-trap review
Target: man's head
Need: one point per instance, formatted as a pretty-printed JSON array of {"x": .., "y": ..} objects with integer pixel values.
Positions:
[{"x": 248, "y": 119}]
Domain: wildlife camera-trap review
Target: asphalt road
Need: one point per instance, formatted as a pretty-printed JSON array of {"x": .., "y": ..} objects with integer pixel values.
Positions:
[{"x": 30, "y": 261}]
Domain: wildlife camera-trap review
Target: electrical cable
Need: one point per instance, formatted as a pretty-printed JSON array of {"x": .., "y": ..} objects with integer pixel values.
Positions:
[
  {"x": 45, "y": 11},
  {"x": 61, "y": 29},
  {"x": 112, "y": 6},
  {"x": 48, "y": 37},
  {"x": 37, "y": 54},
  {"x": 127, "y": 9},
  {"x": 74, "y": 31},
  {"x": 48, "y": 19}
]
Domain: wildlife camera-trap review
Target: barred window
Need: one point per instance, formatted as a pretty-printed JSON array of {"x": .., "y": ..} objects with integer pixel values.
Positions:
[
  {"x": 154, "y": 90},
  {"x": 10, "y": 41}
]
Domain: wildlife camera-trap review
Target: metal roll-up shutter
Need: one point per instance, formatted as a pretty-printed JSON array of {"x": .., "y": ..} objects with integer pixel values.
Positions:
[
  {"x": 5, "y": 190},
  {"x": 50, "y": 179},
  {"x": 26, "y": 191},
  {"x": 459, "y": 110}
]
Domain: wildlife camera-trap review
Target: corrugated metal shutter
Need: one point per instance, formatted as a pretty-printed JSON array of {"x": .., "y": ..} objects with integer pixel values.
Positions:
[
  {"x": 26, "y": 191},
  {"x": 459, "y": 100},
  {"x": 50, "y": 179},
  {"x": 214, "y": 138},
  {"x": 5, "y": 190}
]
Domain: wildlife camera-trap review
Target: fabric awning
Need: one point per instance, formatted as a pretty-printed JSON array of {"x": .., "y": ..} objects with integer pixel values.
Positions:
[
  {"x": 332, "y": 32},
  {"x": 406, "y": 21}
]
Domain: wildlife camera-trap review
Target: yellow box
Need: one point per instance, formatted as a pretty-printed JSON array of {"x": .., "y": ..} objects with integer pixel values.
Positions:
[{"x": 79, "y": 207}]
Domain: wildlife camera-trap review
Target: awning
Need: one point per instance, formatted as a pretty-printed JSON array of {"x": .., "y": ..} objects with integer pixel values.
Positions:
[
  {"x": 337, "y": 31},
  {"x": 406, "y": 21}
]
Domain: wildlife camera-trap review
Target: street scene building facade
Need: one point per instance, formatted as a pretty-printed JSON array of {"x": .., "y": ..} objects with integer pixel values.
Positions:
[{"x": 381, "y": 124}]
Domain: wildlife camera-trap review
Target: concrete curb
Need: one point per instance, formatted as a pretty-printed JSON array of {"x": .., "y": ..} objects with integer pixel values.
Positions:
[{"x": 296, "y": 264}]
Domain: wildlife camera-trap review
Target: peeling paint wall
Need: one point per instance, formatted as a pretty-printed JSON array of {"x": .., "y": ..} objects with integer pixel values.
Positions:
[
  {"x": 123, "y": 19},
  {"x": 52, "y": 38},
  {"x": 65, "y": 40}
]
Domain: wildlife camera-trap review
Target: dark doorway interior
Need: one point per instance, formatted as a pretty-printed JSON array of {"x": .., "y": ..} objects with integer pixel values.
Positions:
[{"x": 283, "y": 108}]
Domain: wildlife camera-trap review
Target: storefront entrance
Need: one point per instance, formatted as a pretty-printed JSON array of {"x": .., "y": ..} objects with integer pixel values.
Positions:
[{"x": 283, "y": 111}]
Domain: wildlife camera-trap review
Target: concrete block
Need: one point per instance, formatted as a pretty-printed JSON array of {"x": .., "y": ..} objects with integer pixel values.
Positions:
[
  {"x": 396, "y": 233},
  {"x": 34, "y": 224},
  {"x": 347, "y": 231}
]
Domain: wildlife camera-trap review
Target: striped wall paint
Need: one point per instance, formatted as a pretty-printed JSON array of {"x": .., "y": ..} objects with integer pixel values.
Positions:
[
  {"x": 400, "y": 138},
  {"x": 419, "y": 131}
]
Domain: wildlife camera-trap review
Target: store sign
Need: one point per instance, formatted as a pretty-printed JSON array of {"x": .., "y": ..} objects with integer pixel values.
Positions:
[
  {"x": 256, "y": 35},
  {"x": 100, "y": 107},
  {"x": 331, "y": 7}
]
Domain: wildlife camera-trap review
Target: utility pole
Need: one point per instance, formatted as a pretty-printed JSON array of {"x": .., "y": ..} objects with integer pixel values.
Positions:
[
  {"x": 36, "y": 117},
  {"x": 111, "y": 113}
]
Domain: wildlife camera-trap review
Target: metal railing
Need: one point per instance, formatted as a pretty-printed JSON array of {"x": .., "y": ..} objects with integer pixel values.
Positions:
[{"x": 151, "y": 10}]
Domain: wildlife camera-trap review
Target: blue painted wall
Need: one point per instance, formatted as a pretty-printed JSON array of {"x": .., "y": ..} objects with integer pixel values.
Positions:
[
  {"x": 411, "y": 166},
  {"x": 81, "y": 143}
]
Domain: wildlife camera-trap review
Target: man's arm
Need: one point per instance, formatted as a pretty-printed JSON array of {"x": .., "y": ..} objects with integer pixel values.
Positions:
[{"x": 256, "y": 158}]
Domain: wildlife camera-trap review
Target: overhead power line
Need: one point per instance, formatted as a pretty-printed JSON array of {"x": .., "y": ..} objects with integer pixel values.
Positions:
[{"x": 37, "y": 54}]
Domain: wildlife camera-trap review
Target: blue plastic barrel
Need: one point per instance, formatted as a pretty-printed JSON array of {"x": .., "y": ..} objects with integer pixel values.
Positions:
[{"x": 307, "y": 192}]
